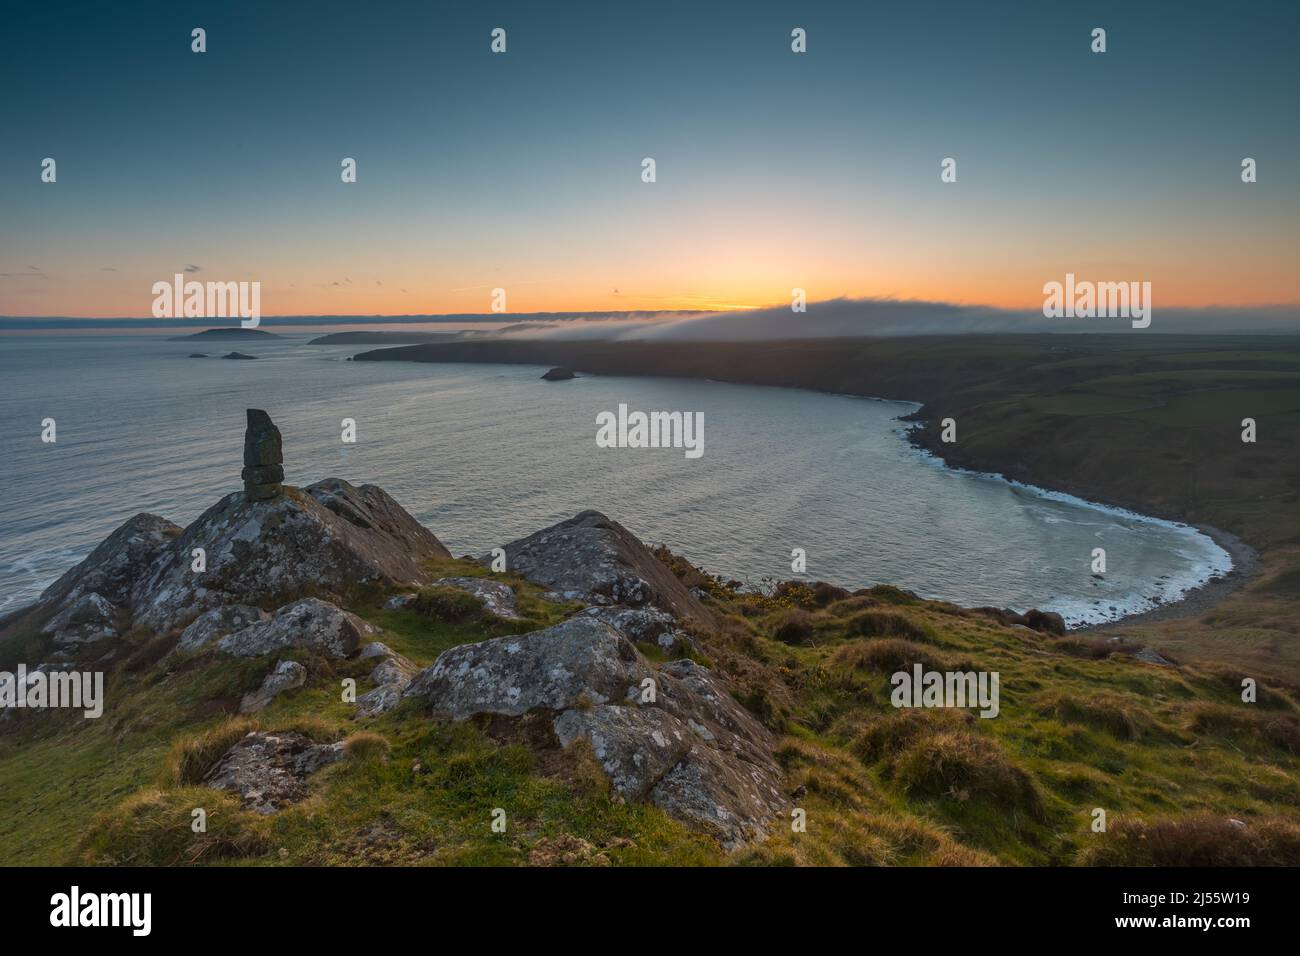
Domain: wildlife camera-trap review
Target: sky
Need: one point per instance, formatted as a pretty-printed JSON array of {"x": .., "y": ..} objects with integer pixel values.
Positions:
[{"x": 523, "y": 170}]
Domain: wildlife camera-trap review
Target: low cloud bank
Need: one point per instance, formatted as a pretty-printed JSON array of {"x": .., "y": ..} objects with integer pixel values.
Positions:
[{"x": 846, "y": 318}]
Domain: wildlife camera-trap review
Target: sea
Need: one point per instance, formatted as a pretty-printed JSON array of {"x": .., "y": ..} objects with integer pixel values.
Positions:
[{"x": 484, "y": 454}]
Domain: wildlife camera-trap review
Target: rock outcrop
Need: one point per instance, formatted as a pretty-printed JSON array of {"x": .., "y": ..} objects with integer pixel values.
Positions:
[
  {"x": 310, "y": 624},
  {"x": 262, "y": 547},
  {"x": 287, "y": 675},
  {"x": 268, "y": 770},
  {"x": 643, "y": 625},
  {"x": 93, "y": 600},
  {"x": 593, "y": 559},
  {"x": 391, "y": 676},
  {"x": 217, "y": 623},
  {"x": 671, "y": 735},
  {"x": 331, "y": 540}
]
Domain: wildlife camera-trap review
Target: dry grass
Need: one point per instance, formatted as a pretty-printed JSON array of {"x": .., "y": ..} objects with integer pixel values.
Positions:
[{"x": 1197, "y": 840}]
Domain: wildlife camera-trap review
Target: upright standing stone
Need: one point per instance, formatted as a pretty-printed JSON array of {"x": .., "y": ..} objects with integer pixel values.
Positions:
[{"x": 263, "y": 457}]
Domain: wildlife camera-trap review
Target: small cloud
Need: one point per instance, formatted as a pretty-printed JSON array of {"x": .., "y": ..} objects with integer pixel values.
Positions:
[
  {"x": 34, "y": 272},
  {"x": 193, "y": 268},
  {"x": 107, "y": 269}
]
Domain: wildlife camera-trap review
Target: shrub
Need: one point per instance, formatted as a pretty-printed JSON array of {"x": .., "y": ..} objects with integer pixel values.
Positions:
[
  {"x": 888, "y": 594},
  {"x": 1279, "y": 729},
  {"x": 889, "y": 735},
  {"x": 152, "y": 828},
  {"x": 888, "y": 655},
  {"x": 447, "y": 604},
  {"x": 964, "y": 764},
  {"x": 1101, "y": 711},
  {"x": 366, "y": 746},
  {"x": 886, "y": 624},
  {"x": 793, "y": 627},
  {"x": 824, "y": 593},
  {"x": 1196, "y": 840}
]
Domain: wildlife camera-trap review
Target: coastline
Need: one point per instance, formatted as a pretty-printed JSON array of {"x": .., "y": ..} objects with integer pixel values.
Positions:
[
  {"x": 1200, "y": 600},
  {"x": 920, "y": 431},
  {"x": 1193, "y": 603}
]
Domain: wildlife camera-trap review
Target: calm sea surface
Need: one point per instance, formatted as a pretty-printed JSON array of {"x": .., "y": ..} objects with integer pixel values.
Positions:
[{"x": 482, "y": 454}]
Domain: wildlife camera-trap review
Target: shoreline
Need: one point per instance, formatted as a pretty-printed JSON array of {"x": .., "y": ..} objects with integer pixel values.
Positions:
[
  {"x": 919, "y": 432},
  {"x": 1199, "y": 600},
  {"x": 1194, "y": 603}
]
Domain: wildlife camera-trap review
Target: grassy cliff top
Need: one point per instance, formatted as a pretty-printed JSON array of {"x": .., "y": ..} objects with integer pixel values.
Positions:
[{"x": 1171, "y": 755}]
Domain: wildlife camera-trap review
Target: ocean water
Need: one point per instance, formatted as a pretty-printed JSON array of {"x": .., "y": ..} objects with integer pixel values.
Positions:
[{"x": 483, "y": 454}]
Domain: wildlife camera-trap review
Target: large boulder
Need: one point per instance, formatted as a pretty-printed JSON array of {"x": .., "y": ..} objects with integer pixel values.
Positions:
[
  {"x": 310, "y": 624},
  {"x": 330, "y": 540},
  {"x": 671, "y": 735},
  {"x": 593, "y": 559},
  {"x": 217, "y": 623},
  {"x": 580, "y": 658}
]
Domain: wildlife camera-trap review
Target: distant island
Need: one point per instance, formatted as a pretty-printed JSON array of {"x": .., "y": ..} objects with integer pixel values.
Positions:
[
  {"x": 383, "y": 338},
  {"x": 235, "y": 333},
  {"x": 238, "y": 355}
]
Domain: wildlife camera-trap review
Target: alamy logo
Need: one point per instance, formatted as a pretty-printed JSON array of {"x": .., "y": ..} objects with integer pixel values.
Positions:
[
  {"x": 1098, "y": 300},
  {"x": 922, "y": 688},
  {"x": 179, "y": 299},
  {"x": 626, "y": 429},
  {"x": 103, "y": 909},
  {"x": 37, "y": 690}
]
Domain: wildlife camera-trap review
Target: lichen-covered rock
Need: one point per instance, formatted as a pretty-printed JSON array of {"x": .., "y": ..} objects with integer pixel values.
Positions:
[
  {"x": 311, "y": 624},
  {"x": 497, "y": 598},
  {"x": 593, "y": 559},
  {"x": 287, "y": 675},
  {"x": 643, "y": 625},
  {"x": 116, "y": 564},
  {"x": 391, "y": 676},
  {"x": 380, "y": 700},
  {"x": 723, "y": 778},
  {"x": 580, "y": 659},
  {"x": 267, "y": 770},
  {"x": 92, "y": 601},
  {"x": 217, "y": 623},
  {"x": 635, "y": 746},
  {"x": 87, "y": 618},
  {"x": 672, "y": 735},
  {"x": 331, "y": 540}
]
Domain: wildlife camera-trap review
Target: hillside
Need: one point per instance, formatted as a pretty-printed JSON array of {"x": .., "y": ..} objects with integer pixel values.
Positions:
[{"x": 521, "y": 695}]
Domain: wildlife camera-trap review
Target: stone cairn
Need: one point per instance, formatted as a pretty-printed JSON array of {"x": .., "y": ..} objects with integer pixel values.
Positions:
[{"x": 263, "y": 458}]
